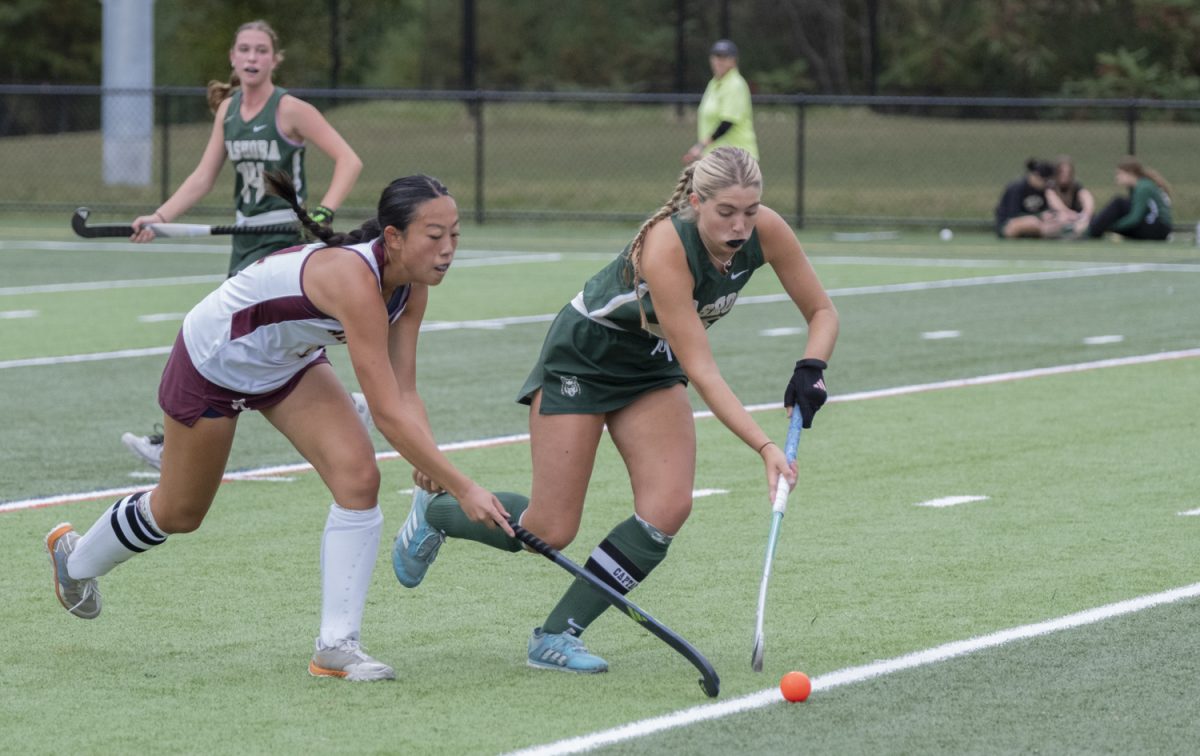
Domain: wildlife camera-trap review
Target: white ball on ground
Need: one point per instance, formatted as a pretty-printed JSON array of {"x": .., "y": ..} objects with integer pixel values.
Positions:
[{"x": 945, "y": 234}]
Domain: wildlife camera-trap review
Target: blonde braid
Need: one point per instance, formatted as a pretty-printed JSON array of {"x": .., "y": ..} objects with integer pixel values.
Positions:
[{"x": 682, "y": 189}]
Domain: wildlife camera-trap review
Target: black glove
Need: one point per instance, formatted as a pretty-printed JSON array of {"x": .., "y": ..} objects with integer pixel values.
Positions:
[{"x": 806, "y": 391}]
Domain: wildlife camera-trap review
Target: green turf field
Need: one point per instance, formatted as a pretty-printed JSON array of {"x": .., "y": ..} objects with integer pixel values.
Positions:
[{"x": 1054, "y": 381}]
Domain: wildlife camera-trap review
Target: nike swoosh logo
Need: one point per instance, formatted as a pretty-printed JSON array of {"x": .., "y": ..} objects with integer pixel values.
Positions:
[
  {"x": 259, "y": 127},
  {"x": 738, "y": 274}
]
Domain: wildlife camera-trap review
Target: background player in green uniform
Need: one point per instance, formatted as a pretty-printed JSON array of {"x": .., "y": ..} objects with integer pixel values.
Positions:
[
  {"x": 620, "y": 355},
  {"x": 259, "y": 127}
]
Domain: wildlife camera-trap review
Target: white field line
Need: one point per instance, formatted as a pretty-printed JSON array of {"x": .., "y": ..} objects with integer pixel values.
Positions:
[
  {"x": 497, "y": 323},
  {"x": 511, "y": 258},
  {"x": 129, "y": 283},
  {"x": 852, "y": 675},
  {"x": 950, "y": 501},
  {"x": 521, "y": 438}
]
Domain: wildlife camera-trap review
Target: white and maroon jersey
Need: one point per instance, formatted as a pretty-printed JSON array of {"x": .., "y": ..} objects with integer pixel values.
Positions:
[{"x": 258, "y": 329}]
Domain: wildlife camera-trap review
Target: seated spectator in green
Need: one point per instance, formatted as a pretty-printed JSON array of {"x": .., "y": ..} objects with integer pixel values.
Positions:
[{"x": 1145, "y": 213}]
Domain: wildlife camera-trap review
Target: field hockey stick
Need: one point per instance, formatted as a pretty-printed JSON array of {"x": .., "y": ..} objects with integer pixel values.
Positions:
[
  {"x": 709, "y": 682},
  {"x": 777, "y": 510},
  {"x": 168, "y": 230}
]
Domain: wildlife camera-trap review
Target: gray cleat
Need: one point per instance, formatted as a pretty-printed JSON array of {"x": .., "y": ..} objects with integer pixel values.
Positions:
[{"x": 79, "y": 597}]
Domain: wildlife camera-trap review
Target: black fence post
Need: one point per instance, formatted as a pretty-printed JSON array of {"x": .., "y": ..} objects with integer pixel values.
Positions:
[
  {"x": 164, "y": 168},
  {"x": 477, "y": 112},
  {"x": 1131, "y": 127},
  {"x": 800, "y": 164}
]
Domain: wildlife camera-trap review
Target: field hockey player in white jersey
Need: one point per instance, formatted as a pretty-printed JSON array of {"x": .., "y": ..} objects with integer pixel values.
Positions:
[
  {"x": 258, "y": 127},
  {"x": 258, "y": 343}
]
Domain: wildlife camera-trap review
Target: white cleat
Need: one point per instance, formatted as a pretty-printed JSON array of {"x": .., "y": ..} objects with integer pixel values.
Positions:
[{"x": 348, "y": 661}]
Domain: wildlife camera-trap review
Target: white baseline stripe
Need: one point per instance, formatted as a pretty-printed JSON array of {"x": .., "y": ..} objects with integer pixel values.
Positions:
[
  {"x": 130, "y": 283},
  {"x": 519, "y": 438},
  {"x": 93, "y": 357},
  {"x": 852, "y": 675},
  {"x": 142, "y": 283},
  {"x": 496, "y": 323},
  {"x": 261, "y": 472}
]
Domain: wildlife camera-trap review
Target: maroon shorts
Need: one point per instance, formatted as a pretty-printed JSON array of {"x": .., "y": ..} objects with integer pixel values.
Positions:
[{"x": 187, "y": 396}]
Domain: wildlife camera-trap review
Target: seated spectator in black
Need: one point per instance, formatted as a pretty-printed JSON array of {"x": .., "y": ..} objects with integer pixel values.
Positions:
[
  {"x": 1029, "y": 208},
  {"x": 1145, "y": 213},
  {"x": 1079, "y": 202}
]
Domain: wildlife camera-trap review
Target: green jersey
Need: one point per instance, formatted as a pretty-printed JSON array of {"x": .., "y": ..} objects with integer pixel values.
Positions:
[
  {"x": 597, "y": 357},
  {"x": 727, "y": 99},
  {"x": 1148, "y": 204},
  {"x": 608, "y": 297},
  {"x": 255, "y": 147}
]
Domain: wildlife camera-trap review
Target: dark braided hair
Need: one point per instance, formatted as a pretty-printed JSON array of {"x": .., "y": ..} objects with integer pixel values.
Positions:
[{"x": 397, "y": 207}]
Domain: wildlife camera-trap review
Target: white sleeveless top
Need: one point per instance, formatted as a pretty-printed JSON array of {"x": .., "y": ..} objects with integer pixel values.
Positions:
[{"x": 258, "y": 329}]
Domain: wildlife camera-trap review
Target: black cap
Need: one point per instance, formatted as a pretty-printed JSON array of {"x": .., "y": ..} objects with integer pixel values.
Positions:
[
  {"x": 723, "y": 48},
  {"x": 1040, "y": 167}
]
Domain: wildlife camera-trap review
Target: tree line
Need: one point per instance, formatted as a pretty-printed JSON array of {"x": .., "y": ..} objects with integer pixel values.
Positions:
[{"x": 1027, "y": 48}]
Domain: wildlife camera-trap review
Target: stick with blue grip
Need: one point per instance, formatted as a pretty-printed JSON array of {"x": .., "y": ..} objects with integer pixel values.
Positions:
[{"x": 780, "y": 506}]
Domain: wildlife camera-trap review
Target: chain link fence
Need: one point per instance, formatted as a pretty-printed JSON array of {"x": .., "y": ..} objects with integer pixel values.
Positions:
[{"x": 827, "y": 160}]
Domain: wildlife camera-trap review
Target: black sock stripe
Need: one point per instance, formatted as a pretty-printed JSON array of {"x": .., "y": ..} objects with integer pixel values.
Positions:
[
  {"x": 637, "y": 573},
  {"x": 139, "y": 526},
  {"x": 596, "y": 569},
  {"x": 153, "y": 534},
  {"x": 115, "y": 521}
]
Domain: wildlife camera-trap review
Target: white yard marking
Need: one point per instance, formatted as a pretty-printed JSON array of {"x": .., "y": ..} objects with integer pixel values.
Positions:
[
  {"x": 1190, "y": 513},
  {"x": 1110, "y": 339},
  {"x": 790, "y": 331},
  {"x": 936, "y": 335},
  {"x": 700, "y": 493},
  {"x": 950, "y": 501},
  {"x": 18, "y": 314},
  {"x": 851, "y": 675},
  {"x": 161, "y": 317}
]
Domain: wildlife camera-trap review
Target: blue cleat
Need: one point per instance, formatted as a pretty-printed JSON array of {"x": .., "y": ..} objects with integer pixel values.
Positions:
[
  {"x": 417, "y": 543},
  {"x": 563, "y": 652}
]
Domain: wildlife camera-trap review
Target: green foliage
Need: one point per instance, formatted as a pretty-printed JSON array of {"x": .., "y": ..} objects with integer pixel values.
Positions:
[
  {"x": 1134, "y": 75},
  {"x": 43, "y": 42},
  {"x": 928, "y": 47}
]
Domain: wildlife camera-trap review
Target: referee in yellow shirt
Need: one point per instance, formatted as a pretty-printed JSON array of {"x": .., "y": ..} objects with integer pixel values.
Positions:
[{"x": 725, "y": 118}]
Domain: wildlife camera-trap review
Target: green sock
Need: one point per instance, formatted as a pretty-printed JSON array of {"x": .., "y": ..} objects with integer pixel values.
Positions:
[
  {"x": 446, "y": 514},
  {"x": 622, "y": 560}
]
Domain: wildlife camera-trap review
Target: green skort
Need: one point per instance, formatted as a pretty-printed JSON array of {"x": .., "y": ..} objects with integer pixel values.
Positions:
[{"x": 586, "y": 368}]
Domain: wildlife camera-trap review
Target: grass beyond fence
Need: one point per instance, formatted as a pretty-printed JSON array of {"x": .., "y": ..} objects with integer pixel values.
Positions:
[{"x": 610, "y": 159}]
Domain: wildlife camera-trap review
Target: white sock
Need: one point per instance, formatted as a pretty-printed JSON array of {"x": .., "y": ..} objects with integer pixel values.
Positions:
[
  {"x": 120, "y": 533},
  {"x": 348, "y": 550}
]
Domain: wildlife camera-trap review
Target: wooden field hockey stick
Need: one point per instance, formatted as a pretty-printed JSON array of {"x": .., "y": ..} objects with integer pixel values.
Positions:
[
  {"x": 777, "y": 510},
  {"x": 709, "y": 682},
  {"x": 170, "y": 230}
]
